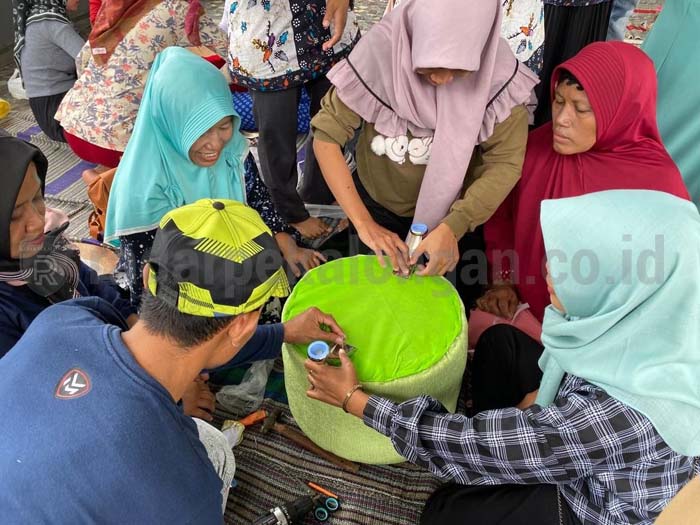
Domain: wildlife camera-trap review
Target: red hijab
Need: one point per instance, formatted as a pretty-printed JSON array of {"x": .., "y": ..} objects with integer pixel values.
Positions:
[
  {"x": 117, "y": 17},
  {"x": 620, "y": 82}
]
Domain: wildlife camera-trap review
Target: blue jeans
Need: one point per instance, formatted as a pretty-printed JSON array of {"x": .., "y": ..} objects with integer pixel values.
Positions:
[{"x": 620, "y": 13}]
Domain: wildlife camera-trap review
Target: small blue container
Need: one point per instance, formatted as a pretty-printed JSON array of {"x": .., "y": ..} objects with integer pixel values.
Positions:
[
  {"x": 318, "y": 351},
  {"x": 418, "y": 228},
  {"x": 321, "y": 514},
  {"x": 332, "y": 504}
]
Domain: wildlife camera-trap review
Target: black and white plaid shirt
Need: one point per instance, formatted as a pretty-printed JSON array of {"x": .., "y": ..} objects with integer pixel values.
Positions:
[{"x": 609, "y": 462}]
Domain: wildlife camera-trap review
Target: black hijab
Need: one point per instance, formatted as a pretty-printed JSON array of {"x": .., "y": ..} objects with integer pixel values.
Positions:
[
  {"x": 53, "y": 272},
  {"x": 15, "y": 156}
]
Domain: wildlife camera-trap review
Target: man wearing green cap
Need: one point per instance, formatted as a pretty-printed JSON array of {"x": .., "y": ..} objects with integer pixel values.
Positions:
[{"x": 92, "y": 428}]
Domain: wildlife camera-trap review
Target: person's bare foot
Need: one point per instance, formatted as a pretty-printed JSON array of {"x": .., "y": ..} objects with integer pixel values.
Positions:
[
  {"x": 311, "y": 228},
  {"x": 91, "y": 175}
]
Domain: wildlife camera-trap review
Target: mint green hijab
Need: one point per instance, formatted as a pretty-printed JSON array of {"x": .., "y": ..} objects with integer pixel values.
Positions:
[
  {"x": 184, "y": 97},
  {"x": 632, "y": 322}
]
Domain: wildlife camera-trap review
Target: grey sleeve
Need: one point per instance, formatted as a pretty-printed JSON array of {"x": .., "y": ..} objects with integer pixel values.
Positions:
[{"x": 65, "y": 37}]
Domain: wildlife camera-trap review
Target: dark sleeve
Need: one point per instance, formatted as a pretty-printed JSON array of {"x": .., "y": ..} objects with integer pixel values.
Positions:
[
  {"x": 9, "y": 335},
  {"x": 19, "y": 306},
  {"x": 135, "y": 251},
  {"x": 98, "y": 288},
  {"x": 266, "y": 343}
]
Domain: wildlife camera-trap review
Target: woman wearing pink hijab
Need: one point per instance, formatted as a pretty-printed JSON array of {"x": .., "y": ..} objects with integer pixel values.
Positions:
[{"x": 439, "y": 99}]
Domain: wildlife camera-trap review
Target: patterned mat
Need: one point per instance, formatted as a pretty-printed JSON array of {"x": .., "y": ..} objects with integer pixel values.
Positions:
[{"x": 271, "y": 470}]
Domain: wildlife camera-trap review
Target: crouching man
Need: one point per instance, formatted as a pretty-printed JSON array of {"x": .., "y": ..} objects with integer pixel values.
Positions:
[{"x": 92, "y": 428}]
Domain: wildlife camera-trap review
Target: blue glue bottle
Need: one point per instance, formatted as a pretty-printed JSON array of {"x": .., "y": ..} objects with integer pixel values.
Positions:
[{"x": 318, "y": 351}]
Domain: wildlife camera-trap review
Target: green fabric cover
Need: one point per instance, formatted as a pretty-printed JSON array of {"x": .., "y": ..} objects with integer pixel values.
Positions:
[
  {"x": 411, "y": 337},
  {"x": 379, "y": 310}
]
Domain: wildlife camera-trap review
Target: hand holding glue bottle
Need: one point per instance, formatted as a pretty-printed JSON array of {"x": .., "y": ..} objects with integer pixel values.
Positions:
[
  {"x": 415, "y": 236},
  {"x": 440, "y": 246}
]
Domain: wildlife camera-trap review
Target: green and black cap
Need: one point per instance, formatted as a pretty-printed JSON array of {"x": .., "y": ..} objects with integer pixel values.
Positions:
[{"x": 222, "y": 256}]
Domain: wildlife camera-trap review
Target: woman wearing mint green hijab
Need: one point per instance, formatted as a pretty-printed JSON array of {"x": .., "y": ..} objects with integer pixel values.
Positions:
[
  {"x": 629, "y": 322},
  {"x": 185, "y": 146},
  {"x": 616, "y": 425}
]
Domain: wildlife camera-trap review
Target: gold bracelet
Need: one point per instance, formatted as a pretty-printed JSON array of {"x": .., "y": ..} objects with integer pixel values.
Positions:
[{"x": 354, "y": 389}]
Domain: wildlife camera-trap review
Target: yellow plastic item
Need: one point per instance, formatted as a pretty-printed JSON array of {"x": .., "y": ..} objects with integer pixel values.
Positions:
[{"x": 4, "y": 108}]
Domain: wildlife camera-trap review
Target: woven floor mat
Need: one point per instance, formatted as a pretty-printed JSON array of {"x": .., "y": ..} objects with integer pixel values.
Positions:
[{"x": 271, "y": 470}]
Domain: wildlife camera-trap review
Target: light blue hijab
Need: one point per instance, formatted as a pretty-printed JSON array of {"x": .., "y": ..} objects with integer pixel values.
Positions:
[
  {"x": 184, "y": 97},
  {"x": 632, "y": 323}
]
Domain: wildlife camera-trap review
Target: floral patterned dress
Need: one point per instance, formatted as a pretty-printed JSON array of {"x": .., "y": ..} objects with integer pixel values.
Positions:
[
  {"x": 102, "y": 105},
  {"x": 522, "y": 26},
  {"x": 276, "y": 44}
]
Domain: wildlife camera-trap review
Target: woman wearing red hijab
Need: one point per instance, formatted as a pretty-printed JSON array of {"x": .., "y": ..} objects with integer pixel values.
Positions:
[{"x": 603, "y": 136}]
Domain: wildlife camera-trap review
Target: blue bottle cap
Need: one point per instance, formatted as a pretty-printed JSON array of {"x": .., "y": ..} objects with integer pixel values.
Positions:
[
  {"x": 332, "y": 504},
  {"x": 418, "y": 228},
  {"x": 321, "y": 514},
  {"x": 318, "y": 350}
]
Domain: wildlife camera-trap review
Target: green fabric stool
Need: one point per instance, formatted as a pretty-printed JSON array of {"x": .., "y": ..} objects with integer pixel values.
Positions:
[{"x": 411, "y": 339}]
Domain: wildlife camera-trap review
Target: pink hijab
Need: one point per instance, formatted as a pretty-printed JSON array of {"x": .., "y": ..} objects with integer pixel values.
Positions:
[{"x": 378, "y": 82}]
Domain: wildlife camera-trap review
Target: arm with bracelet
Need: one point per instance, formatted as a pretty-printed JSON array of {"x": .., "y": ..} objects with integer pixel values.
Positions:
[{"x": 336, "y": 386}]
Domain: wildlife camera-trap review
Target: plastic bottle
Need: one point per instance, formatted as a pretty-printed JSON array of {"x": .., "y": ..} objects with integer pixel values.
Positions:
[{"x": 247, "y": 397}]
